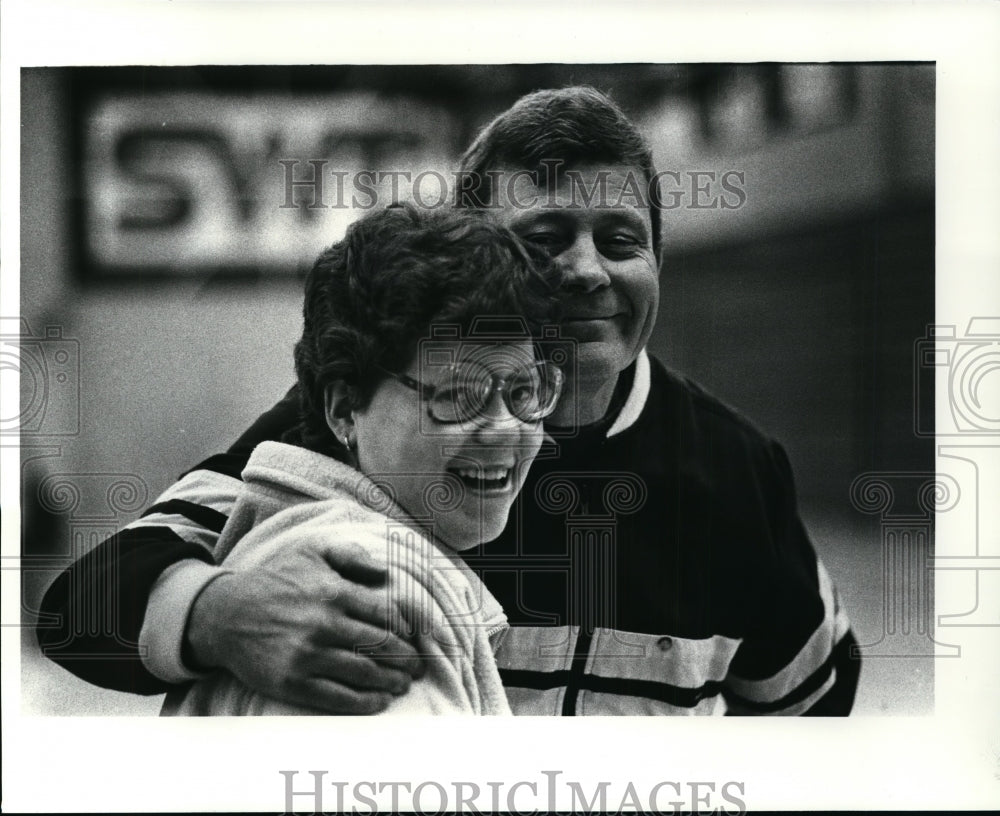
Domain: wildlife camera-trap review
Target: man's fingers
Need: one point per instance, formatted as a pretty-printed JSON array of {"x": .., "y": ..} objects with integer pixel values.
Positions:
[
  {"x": 401, "y": 656},
  {"x": 364, "y": 637},
  {"x": 354, "y": 564},
  {"x": 381, "y": 608},
  {"x": 393, "y": 646},
  {"x": 359, "y": 672},
  {"x": 384, "y": 647},
  {"x": 336, "y": 698},
  {"x": 374, "y": 606}
]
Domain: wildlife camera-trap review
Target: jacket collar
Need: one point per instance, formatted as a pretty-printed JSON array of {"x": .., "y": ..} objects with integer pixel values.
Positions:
[
  {"x": 315, "y": 476},
  {"x": 636, "y": 400}
]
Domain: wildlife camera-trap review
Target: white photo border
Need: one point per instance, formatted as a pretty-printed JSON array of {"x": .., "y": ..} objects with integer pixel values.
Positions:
[{"x": 950, "y": 760}]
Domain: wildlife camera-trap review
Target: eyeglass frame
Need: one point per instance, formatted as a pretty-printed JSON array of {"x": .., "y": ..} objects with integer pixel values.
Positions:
[{"x": 427, "y": 392}]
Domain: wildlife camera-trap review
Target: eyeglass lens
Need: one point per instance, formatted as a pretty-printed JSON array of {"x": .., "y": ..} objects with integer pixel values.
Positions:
[{"x": 465, "y": 392}]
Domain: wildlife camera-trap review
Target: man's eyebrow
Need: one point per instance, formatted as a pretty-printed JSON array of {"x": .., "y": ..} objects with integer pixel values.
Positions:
[
  {"x": 564, "y": 217},
  {"x": 630, "y": 216},
  {"x": 552, "y": 217}
]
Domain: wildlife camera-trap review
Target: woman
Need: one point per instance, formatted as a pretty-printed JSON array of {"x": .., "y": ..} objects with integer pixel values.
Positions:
[{"x": 418, "y": 426}]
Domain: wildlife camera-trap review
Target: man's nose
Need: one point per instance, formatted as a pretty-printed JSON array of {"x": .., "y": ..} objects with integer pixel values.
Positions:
[{"x": 582, "y": 266}]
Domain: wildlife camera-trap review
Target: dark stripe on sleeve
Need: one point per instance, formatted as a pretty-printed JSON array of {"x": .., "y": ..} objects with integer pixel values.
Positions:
[
  {"x": 92, "y": 613},
  {"x": 540, "y": 681},
  {"x": 662, "y": 692},
  {"x": 203, "y": 516},
  {"x": 228, "y": 464},
  {"x": 841, "y": 694},
  {"x": 839, "y": 700}
]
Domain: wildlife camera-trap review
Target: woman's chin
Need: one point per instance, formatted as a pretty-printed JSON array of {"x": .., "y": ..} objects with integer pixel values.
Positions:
[{"x": 473, "y": 532}]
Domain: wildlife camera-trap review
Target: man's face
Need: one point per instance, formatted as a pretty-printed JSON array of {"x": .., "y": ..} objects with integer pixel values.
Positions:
[{"x": 610, "y": 288}]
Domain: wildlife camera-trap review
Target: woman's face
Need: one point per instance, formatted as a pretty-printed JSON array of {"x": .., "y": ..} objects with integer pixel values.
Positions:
[{"x": 458, "y": 479}]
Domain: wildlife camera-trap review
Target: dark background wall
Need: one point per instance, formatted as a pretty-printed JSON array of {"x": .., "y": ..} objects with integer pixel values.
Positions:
[{"x": 811, "y": 333}]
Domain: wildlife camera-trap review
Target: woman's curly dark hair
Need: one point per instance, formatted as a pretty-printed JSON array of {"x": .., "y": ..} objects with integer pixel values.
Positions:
[{"x": 371, "y": 297}]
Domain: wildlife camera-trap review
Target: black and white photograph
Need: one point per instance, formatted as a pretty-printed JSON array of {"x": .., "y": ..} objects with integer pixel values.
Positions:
[{"x": 358, "y": 386}]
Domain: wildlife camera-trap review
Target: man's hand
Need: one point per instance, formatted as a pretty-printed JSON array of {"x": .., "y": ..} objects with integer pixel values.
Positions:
[{"x": 288, "y": 628}]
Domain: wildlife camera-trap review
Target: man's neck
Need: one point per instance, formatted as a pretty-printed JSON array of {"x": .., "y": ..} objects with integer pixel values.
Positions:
[{"x": 586, "y": 403}]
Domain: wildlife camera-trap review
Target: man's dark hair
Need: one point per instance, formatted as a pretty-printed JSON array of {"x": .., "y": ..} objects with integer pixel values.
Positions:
[
  {"x": 370, "y": 298},
  {"x": 574, "y": 126}
]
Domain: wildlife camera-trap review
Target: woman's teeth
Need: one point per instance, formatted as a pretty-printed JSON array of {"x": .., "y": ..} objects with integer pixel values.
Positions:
[{"x": 483, "y": 478}]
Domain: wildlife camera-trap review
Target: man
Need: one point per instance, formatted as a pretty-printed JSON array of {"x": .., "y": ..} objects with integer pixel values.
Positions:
[{"x": 654, "y": 562}]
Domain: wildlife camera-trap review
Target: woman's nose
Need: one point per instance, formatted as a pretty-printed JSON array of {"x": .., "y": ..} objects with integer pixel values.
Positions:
[{"x": 496, "y": 416}]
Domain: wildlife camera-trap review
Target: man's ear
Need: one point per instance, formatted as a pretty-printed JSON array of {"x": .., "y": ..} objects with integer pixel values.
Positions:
[{"x": 339, "y": 399}]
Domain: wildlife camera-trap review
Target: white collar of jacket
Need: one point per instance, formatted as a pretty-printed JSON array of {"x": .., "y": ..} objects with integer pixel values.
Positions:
[
  {"x": 636, "y": 399},
  {"x": 635, "y": 402}
]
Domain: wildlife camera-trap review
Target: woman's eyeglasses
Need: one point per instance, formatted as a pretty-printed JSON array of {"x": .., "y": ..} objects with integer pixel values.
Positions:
[{"x": 464, "y": 391}]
